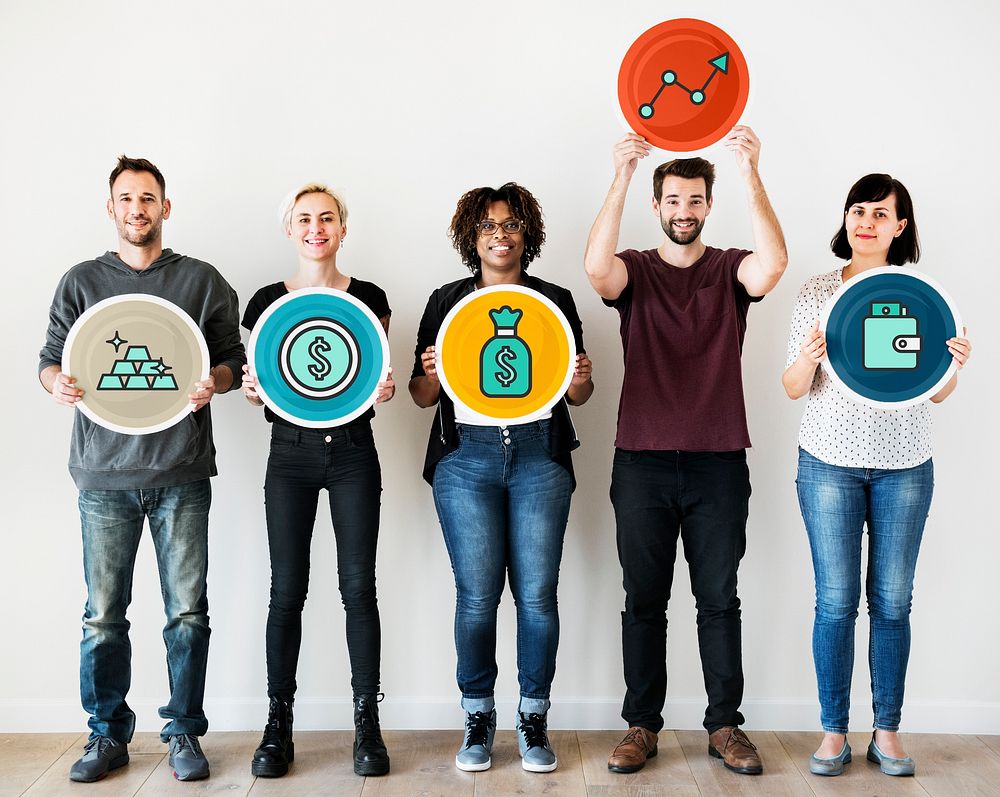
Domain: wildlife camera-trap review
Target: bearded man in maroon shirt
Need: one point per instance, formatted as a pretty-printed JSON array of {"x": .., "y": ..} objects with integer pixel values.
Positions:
[{"x": 680, "y": 466}]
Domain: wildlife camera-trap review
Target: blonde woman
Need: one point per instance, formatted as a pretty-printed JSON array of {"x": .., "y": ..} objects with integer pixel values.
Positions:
[{"x": 302, "y": 462}]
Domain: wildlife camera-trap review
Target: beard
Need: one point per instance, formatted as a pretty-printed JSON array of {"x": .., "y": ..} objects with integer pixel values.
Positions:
[
  {"x": 137, "y": 238},
  {"x": 682, "y": 238}
]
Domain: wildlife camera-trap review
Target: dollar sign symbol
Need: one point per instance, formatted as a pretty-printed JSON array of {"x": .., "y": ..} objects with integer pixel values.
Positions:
[
  {"x": 321, "y": 368},
  {"x": 503, "y": 360}
]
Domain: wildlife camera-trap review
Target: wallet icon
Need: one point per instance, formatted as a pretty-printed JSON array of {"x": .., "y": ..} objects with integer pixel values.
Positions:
[{"x": 890, "y": 338}]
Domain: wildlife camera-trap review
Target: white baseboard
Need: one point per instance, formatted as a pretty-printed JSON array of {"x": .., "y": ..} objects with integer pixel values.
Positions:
[{"x": 41, "y": 716}]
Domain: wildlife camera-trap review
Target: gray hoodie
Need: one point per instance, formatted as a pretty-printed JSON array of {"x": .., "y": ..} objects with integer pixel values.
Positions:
[{"x": 101, "y": 459}]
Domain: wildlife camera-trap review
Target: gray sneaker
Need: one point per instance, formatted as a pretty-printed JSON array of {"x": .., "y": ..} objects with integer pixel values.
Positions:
[
  {"x": 186, "y": 758},
  {"x": 476, "y": 752},
  {"x": 533, "y": 743},
  {"x": 100, "y": 756}
]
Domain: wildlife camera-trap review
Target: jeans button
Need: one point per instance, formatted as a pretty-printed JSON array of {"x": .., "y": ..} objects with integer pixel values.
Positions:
[
  {"x": 328, "y": 439},
  {"x": 506, "y": 441}
]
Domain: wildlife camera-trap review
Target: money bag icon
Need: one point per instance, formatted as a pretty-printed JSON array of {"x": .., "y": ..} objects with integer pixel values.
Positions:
[{"x": 505, "y": 361}]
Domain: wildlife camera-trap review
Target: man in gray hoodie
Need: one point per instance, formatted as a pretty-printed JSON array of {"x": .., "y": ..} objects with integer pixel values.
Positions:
[{"x": 162, "y": 476}]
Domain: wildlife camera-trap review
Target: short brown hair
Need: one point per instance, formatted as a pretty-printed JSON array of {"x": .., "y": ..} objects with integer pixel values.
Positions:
[
  {"x": 472, "y": 209},
  {"x": 689, "y": 169},
  {"x": 127, "y": 164}
]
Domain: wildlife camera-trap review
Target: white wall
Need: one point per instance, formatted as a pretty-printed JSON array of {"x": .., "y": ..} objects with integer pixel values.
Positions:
[{"x": 404, "y": 107}]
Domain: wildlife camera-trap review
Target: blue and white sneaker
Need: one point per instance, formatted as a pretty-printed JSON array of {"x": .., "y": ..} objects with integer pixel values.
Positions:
[
  {"x": 533, "y": 742},
  {"x": 476, "y": 752}
]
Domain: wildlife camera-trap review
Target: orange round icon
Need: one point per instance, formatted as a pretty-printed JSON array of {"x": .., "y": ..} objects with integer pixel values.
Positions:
[
  {"x": 505, "y": 355},
  {"x": 683, "y": 84}
]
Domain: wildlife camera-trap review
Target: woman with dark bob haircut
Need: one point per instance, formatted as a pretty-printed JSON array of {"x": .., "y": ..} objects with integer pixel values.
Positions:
[
  {"x": 861, "y": 465},
  {"x": 502, "y": 493}
]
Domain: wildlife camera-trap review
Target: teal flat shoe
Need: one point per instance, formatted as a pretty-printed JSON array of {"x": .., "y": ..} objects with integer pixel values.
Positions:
[
  {"x": 889, "y": 765},
  {"x": 831, "y": 766}
]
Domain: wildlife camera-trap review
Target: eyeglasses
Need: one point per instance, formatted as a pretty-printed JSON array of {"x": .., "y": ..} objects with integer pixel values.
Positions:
[{"x": 490, "y": 227}]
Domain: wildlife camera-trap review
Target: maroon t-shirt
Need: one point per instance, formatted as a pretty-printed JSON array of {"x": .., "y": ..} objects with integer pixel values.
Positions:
[{"x": 682, "y": 334}]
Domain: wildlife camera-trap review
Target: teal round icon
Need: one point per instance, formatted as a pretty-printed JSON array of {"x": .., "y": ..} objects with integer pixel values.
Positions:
[
  {"x": 318, "y": 355},
  {"x": 886, "y": 337},
  {"x": 319, "y": 358}
]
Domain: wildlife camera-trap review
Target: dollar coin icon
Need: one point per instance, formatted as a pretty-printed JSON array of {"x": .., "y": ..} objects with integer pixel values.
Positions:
[
  {"x": 319, "y": 358},
  {"x": 318, "y": 355}
]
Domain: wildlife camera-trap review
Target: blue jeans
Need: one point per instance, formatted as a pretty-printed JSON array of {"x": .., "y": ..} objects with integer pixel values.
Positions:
[
  {"x": 503, "y": 505},
  {"x": 112, "y": 523},
  {"x": 836, "y": 502}
]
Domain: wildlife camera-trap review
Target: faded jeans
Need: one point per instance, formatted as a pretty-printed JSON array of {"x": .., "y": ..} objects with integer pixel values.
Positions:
[
  {"x": 503, "y": 505},
  {"x": 112, "y": 522},
  {"x": 836, "y": 503}
]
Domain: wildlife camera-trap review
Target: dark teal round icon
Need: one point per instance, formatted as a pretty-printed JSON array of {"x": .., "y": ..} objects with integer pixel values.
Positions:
[
  {"x": 318, "y": 355},
  {"x": 886, "y": 333}
]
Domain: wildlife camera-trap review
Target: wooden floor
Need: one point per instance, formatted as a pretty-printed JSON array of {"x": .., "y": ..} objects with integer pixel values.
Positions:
[{"x": 423, "y": 764}]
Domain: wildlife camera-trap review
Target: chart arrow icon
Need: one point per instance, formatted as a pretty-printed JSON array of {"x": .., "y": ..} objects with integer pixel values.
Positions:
[{"x": 721, "y": 62}]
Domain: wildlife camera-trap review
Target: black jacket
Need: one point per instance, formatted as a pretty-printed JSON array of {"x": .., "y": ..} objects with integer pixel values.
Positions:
[{"x": 444, "y": 433}]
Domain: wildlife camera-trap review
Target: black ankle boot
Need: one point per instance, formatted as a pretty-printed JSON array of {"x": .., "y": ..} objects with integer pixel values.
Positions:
[
  {"x": 370, "y": 755},
  {"x": 276, "y": 750}
]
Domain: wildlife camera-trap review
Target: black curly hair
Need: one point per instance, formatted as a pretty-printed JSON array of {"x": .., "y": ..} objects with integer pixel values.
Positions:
[{"x": 472, "y": 209}]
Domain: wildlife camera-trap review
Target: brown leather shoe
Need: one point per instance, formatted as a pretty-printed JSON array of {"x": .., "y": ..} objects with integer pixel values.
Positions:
[
  {"x": 736, "y": 751},
  {"x": 631, "y": 753}
]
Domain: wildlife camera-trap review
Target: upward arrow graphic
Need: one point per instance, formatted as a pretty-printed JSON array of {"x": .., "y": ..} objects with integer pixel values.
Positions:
[
  {"x": 721, "y": 62},
  {"x": 669, "y": 78}
]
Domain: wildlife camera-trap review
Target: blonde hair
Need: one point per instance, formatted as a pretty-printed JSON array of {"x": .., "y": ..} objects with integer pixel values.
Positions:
[{"x": 288, "y": 205}]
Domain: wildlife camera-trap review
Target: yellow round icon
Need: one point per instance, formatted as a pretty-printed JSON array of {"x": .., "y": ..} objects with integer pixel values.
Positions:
[{"x": 505, "y": 355}]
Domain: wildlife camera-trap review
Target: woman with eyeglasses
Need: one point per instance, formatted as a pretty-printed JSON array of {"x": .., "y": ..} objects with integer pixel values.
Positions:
[
  {"x": 858, "y": 466},
  {"x": 502, "y": 493},
  {"x": 302, "y": 462}
]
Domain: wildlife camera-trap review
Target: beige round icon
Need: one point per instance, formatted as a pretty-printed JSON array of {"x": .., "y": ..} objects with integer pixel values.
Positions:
[{"x": 136, "y": 357}]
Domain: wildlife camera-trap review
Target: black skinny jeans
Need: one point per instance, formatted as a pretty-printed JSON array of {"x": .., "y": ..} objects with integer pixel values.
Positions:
[
  {"x": 302, "y": 462},
  {"x": 703, "y": 498}
]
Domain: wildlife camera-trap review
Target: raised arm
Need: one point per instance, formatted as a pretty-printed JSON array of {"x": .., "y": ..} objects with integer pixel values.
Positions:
[
  {"x": 760, "y": 271},
  {"x": 606, "y": 272}
]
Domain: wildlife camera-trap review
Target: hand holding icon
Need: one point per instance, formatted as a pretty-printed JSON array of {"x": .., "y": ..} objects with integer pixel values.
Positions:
[
  {"x": 960, "y": 348},
  {"x": 428, "y": 361},
  {"x": 583, "y": 370},
  {"x": 627, "y": 154},
  {"x": 386, "y": 388},
  {"x": 744, "y": 142},
  {"x": 203, "y": 392},
  {"x": 65, "y": 391},
  {"x": 813, "y": 347},
  {"x": 250, "y": 387}
]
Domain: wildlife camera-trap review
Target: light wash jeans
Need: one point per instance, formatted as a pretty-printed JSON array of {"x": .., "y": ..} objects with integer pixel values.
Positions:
[
  {"x": 112, "y": 522},
  {"x": 836, "y": 503},
  {"x": 503, "y": 505}
]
